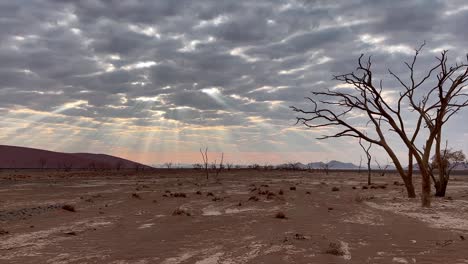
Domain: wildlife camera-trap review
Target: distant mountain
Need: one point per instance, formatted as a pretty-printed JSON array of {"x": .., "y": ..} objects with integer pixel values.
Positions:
[
  {"x": 333, "y": 165},
  {"x": 30, "y": 158}
]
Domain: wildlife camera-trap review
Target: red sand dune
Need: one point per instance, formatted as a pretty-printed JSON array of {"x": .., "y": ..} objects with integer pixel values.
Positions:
[{"x": 28, "y": 158}]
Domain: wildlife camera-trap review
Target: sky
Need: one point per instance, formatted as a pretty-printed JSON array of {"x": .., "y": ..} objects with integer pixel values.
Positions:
[{"x": 155, "y": 81}]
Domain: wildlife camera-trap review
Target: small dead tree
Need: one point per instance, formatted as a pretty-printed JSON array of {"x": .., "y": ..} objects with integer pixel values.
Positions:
[
  {"x": 383, "y": 170},
  {"x": 118, "y": 165},
  {"x": 220, "y": 166},
  {"x": 325, "y": 166},
  {"x": 366, "y": 150},
  {"x": 205, "y": 161},
  {"x": 42, "y": 163},
  {"x": 433, "y": 103},
  {"x": 168, "y": 165},
  {"x": 229, "y": 166},
  {"x": 449, "y": 160}
]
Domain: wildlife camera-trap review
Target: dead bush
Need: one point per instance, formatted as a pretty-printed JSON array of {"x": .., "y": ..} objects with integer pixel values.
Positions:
[
  {"x": 210, "y": 194},
  {"x": 69, "y": 207},
  {"x": 180, "y": 195},
  {"x": 253, "y": 198},
  {"x": 335, "y": 189},
  {"x": 136, "y": 196},
  {"x": 362, "y": 198},
  {"x": 292, "y": 188},
  {"x": 280, "y": 215},
  {"x": 334, "y": 249},
  {"x": 280, "y": 192},
  {"x": 3, "y": 232},
  {"x": 180, "y": 211},
  {"x": 198, "y": 193}
]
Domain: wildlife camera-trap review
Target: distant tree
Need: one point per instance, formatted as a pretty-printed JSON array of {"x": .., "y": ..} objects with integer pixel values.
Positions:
[
  {"x": 229, "y": 166},
  {"x": 118, "y": 165},
  {"x": 447, "y": 161},
  {"x": 325, "y": 166},
  {"x": 366, "y": 150},
  {"x": 42, "y": 162},
  {"x": 205, "y": 161},
  {"x": 197, "y": 166},
  {"x": 168, "y": 165}
]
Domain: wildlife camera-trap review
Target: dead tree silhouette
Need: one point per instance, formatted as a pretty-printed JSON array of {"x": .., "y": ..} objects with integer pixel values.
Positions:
[
  {"x": 434, "y": 104},
  {"x": 366, "y": 150}
]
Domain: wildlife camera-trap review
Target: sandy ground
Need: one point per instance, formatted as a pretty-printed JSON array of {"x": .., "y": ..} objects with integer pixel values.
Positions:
[{"x": 127, "y": 217}]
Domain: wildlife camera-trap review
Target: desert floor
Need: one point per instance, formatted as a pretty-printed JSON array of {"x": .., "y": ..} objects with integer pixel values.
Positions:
[{"x": 128, "y": 217}]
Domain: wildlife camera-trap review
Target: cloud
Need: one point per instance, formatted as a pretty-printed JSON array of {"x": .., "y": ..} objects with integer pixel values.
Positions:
[{"x": 172, "y": 66}]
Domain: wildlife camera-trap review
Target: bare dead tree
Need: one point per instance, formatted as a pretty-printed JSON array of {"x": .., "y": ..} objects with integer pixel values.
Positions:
[
  {"x": 67, "y": 165},
  {"x": 220, "y": 166},
  {"x": 366, "y": 150},
  {"x": 383, "y": 169},
  {"x": 229, "y": 166},
  {"x": 118, "y": 165},
  {"x": 364, "y": 97},
  {"x": 42, "y": 162},
  {"x": 168, "y": 165},
  {"x": 205, "y": 161},
  {"x": 360, "y": 164},
  {"x": 449, "y": 159}
]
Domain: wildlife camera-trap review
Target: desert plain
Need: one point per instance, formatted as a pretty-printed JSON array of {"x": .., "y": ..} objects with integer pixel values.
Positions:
[{"x": 177, "y": 216}]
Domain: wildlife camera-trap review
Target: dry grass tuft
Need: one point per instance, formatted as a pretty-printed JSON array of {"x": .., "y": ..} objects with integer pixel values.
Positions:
[
  {"x": 136, "y": 196},
  {"x": 180, "y": 211},
  {"x": 3, "y": 232},
  {"x": 253, "y": 198},
  {"x": 69, "y": 207},
  {"x": 280, "y": 215},
  {"x": 335, "y": 249}
]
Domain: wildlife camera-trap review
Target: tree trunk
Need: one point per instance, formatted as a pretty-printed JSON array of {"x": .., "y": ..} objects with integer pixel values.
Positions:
[
  {"x": 369, "y": 173},
  {"x": 408, "y": 180},
  {"x": 426, "y": 185},
  {"x": 441, "y": 188}
]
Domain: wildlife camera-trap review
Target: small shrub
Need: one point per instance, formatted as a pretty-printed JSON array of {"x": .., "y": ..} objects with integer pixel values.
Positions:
[
  {"x": 292, "y": 188},
  {"x": 180, "y": 211},
  {"x": 365, "y": 187},
  {"x": 280, "y": 192},
  {"x": 361, "y": 198},
  {"x": 210, "y": 194},
  {"x": 180, "y": 195},
  {"x": 215, "y": 199},
  {"x": 335, "y": 189},
  {"x": 335, "y": 249},
  {"x": 69, "y": 207},
  {"x": 308, "y": 192},
  {"x": 299, "y": 237},
  {"x": 253, "y": 198},
  {"x": 271, "y": 195},
  {"x": 136, "y": 196},
  {"x": 3, "y": 232},
  {"x": 198, "y": 193},
  {"x": 280, "y": 215}
]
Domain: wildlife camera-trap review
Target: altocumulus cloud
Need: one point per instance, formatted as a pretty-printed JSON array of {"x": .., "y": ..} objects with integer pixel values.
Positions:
[{"x": 142, "y": 78}]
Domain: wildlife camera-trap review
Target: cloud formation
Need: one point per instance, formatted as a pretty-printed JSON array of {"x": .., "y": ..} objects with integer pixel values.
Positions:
[{"x": 142, "y": 77}]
